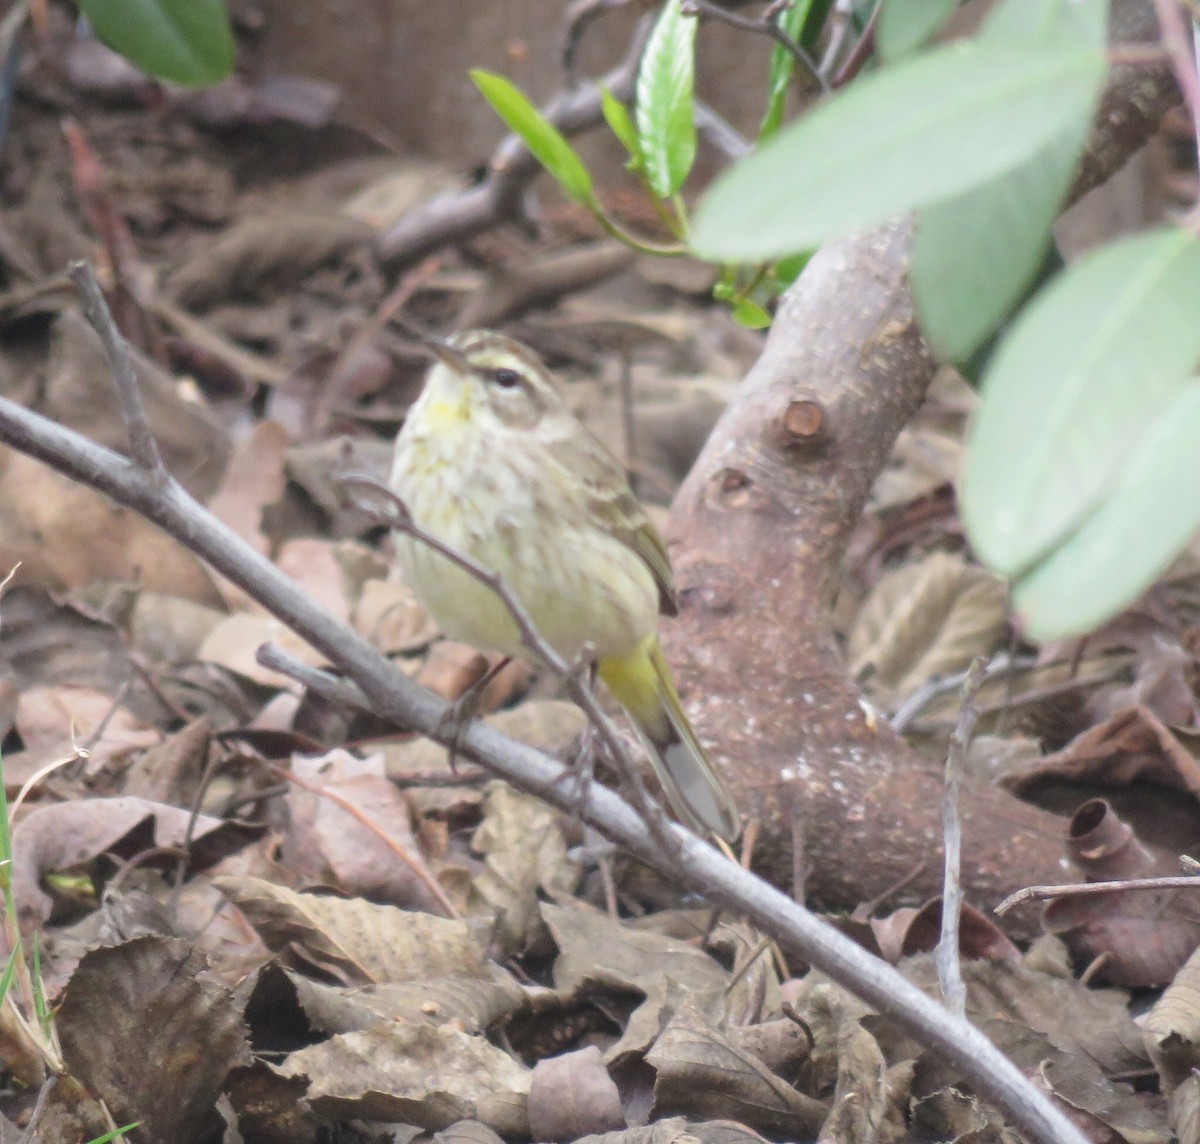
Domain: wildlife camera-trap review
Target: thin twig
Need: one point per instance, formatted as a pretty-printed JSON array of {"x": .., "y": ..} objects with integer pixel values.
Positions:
[
  {"x": 764, "y": 25},
  {"x": 1177, "y": 41},
  {"x": 907, "y": 712},
  {"x": 142, "y": 446},
  {"x": 39, "y": 1109},
  {"x": 1045, "y": 893},
  {"x": 396, "y": 698},
  {"x": 455, "y": 218},
  {"x": 946, "y": 957},
  {"x": 862, "y": 51},
  {"x": 838, "y": 27}
]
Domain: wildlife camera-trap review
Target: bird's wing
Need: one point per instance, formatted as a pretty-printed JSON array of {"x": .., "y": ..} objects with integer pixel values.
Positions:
[{"x": 615, "y": 509}]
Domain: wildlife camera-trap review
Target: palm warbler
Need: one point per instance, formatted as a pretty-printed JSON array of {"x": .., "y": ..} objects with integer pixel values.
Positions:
[{"x": 492, "y": 462}]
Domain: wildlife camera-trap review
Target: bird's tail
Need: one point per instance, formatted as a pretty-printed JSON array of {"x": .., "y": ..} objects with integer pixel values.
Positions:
[{"x": 641, "y": 682}]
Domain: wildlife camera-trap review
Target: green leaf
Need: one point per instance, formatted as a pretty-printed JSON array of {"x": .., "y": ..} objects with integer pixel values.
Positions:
[
  {"x": 115, "y": 1134},
  {"x": 617, "y": 117},
  {"x": 9, "y": 969},
  {"x": 665, "y": 118},
  {"x": 908, "y": 136},
  {"x": 1074, "y": 390},
  {"x": 750, "y": 314},
  {"x": 185, "y": 41},
  {"x": 547, "y": 143},
  {"x": 788, "y": 269},
  {"x": 791, "y": 22},
  {"x": 975, "y": 255},
  {"x": 1119, "y": 551},
  {"x": 905, "y": 25}
]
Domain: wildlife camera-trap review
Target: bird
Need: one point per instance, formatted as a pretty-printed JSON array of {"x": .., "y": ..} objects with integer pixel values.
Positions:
[{"x": 491, "y": 461}]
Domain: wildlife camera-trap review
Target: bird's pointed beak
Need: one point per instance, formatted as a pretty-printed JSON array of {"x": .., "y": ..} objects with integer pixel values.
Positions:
[{"x": 447, "y": 354}]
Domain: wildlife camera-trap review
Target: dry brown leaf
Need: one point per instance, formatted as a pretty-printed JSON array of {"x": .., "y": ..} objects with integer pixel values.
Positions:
[
  {"x": 524, "y": 853},
  {"x": 358, "y": 941},
  {"x": 470, "y": 1004},
  {"x": 909, "y": 931},
  {"x": 144, "y": 1028},
  {"x": 316, "y": 567},
  {"x": 702, "y": 1074},
  {"x": 922, "y": 460},
  {"x": 1131, "y": 745},
  {"x": 1172, "y": 1028},
  {"x": 69, "y": 834},
  {"x": 52, "y": 721},
  {"x": 172, "y": 769},
  {"x": 232, "y": 644},
  {"x": 66, "y": 536},
  {"x": 452, "y": 667},
  {"x": 390, "y": 616},
  {"x": 926, "y": 620},
  {"x": 254, "y": 479},
  {"x": 572, "y": 1095},
  {"x": 170, "y": 629},
  {"x": 79, "y": 393},
  {"x": 327, "y": 839},
  {"x": 1079, "y": 1020},
  {"x": 416, "y": 1074}
]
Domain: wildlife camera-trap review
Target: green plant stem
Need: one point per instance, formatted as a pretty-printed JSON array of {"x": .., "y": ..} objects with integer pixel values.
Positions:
[{"x": 642, "y": 246}]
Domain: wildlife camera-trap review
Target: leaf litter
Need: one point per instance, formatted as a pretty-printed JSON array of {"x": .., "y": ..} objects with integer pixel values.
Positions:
[{"x": 233, "y": 944}]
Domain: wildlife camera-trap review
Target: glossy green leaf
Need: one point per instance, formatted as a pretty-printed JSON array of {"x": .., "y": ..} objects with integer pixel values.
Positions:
[
  {"x": 975, "y": 255},
  {"x": 547, "y": 143},
  {"x": 750, "y": 314},
  {"x": 616, "y": 115},
  {"x": 908, "y": 136},
  {"x": 905, "y": 25},
  {"x": 1119, "y": 551},
  {"x": 791, "y": 23},
  {"x": 188, "y": 42},
  {"x": 664, "y": 109},
  {"x": 1073, "y": 391}
]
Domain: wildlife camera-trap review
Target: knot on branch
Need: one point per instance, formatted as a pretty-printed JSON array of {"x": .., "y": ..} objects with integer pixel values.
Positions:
[{"x": 804, "y": 425}]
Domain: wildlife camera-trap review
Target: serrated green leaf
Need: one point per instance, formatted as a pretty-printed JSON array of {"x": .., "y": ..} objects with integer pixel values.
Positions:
[
  {"x": 188, "y": 42},
  {"x": 905, "y": 25},
  {"x": 750, "y": 314},
  {"x": 915, "y": 134},
  {"x": 665, "y": 110},
  {"x": 616, "y": 115},
  {"x": 548, "y": 144},
  {"x": 1120, "y": 550},
  {"x": 791, "y": 23},
  {"x": 1074, "y": 390}
]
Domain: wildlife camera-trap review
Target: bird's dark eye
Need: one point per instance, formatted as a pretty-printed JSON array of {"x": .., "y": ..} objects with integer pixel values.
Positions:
[{"x": 506, "y": 378}]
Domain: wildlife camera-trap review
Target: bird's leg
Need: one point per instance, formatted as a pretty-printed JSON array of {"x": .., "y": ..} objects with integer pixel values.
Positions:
[{"x": 463, "y": 710}]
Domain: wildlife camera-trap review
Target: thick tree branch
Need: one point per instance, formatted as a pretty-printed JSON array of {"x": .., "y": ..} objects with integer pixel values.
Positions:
[{"x": 760, "y": 528}]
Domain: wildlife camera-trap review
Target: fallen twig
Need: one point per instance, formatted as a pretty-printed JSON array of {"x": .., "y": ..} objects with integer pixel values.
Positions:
[{"x": 1045, "y": 893}]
